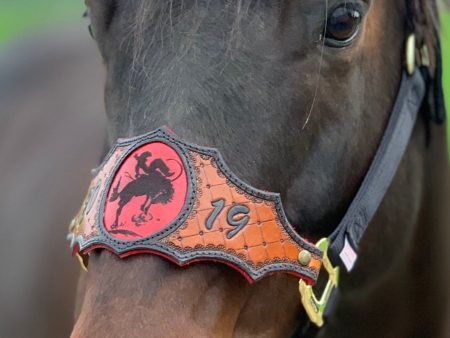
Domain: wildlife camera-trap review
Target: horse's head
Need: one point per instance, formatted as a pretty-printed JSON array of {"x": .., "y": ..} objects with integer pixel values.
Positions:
[{"x": 294, "y": 94}]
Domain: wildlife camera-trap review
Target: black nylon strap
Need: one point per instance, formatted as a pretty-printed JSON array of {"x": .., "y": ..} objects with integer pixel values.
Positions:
[{"x": 381, "y": 173}]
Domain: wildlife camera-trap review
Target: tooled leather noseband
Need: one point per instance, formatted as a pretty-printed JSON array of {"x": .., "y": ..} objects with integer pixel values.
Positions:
[{"x": 160, "y": 195}]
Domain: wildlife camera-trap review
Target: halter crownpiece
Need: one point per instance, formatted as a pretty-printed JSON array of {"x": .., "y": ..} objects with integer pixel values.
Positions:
[{"x": 157, "y": 194}]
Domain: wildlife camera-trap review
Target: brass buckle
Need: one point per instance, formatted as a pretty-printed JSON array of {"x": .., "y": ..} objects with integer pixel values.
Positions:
[
  {"x": 82, "y": 260},
  {"x": 315, "y": 308},
  {"x": 411, "y": 54}
]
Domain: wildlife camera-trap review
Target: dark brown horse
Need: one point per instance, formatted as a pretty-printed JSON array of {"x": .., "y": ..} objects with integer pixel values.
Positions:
[{"x": 296, "y": 96}]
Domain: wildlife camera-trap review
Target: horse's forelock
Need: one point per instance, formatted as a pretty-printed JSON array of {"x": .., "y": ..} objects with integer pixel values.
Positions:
[
  {"x": 154, "y": 21},
  {"x": 185, "y": 55}
]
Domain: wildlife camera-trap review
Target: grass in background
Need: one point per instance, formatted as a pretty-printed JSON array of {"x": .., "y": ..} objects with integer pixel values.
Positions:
[
  {"x": 445, "y": 34},
  {"x": 19, "y": 17}
]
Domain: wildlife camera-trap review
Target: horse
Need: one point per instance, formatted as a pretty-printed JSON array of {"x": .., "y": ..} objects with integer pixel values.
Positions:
[
  {"x": 296, "y": 96},
  {"x": 41, "y": 119}
]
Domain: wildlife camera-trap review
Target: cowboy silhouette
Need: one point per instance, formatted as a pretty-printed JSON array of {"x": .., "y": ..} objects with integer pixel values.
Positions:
[
  {"x": 153, "y": 181},
  {"x": 157, "y": 164}
]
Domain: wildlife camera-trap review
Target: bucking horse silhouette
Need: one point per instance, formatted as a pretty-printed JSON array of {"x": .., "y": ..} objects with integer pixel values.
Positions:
[{"x": 153, "y": 181}]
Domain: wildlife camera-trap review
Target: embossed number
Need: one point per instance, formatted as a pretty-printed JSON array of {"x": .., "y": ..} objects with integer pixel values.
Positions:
[
  {"x": 218, "y": 207},
  {"x": 237, "y": 216},
  {"x": 235, "y": 221}
]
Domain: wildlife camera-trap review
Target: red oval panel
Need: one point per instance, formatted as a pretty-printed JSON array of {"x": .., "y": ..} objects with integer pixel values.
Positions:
[{"x": 147, "y": 193}]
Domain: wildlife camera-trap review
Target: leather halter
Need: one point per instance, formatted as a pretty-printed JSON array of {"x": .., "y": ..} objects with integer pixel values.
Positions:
[{"x": 160, "y": 195}]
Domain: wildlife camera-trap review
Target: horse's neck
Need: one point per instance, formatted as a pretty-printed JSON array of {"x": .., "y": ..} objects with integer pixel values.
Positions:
[{"x": 401, "y": 281}]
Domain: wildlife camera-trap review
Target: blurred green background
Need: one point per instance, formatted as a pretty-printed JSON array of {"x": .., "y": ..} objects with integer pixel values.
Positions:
[{"x": 22, "y": 17}]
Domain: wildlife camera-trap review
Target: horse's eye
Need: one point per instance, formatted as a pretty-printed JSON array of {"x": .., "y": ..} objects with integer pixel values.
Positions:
[{"x": 342, "y": 26}]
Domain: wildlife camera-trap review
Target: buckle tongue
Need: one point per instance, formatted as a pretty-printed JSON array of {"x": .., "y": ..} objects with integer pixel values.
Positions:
[{"x": 314, "y": 307}]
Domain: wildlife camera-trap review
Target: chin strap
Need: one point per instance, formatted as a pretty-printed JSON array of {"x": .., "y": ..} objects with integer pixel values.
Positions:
[{"x": 342, "y": 246}]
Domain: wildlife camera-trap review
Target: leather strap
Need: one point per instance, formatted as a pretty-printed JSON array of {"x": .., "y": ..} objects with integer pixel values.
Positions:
[
  {"x": 157, "y": 194},
  {"x": 347, "y": 236}
]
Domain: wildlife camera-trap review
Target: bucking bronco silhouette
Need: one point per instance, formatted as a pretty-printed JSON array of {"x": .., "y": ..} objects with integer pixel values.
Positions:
[{"x": 153, "y": 181}]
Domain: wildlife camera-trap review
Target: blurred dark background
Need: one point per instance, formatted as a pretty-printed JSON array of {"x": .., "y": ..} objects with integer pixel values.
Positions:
[{"x": 51, "y": 135}]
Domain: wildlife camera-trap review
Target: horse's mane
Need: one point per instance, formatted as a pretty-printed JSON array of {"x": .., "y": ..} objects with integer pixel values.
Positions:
[{"x": 426, "y": 23}]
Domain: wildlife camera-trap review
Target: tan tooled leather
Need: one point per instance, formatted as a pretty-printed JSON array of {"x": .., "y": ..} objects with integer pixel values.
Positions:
[
  {"x": 157, "y": 194},
  {"x": 262, "y": 240}
]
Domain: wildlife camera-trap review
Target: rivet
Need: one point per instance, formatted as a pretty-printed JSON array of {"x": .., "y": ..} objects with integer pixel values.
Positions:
[{"x": 304, "y": 257}]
